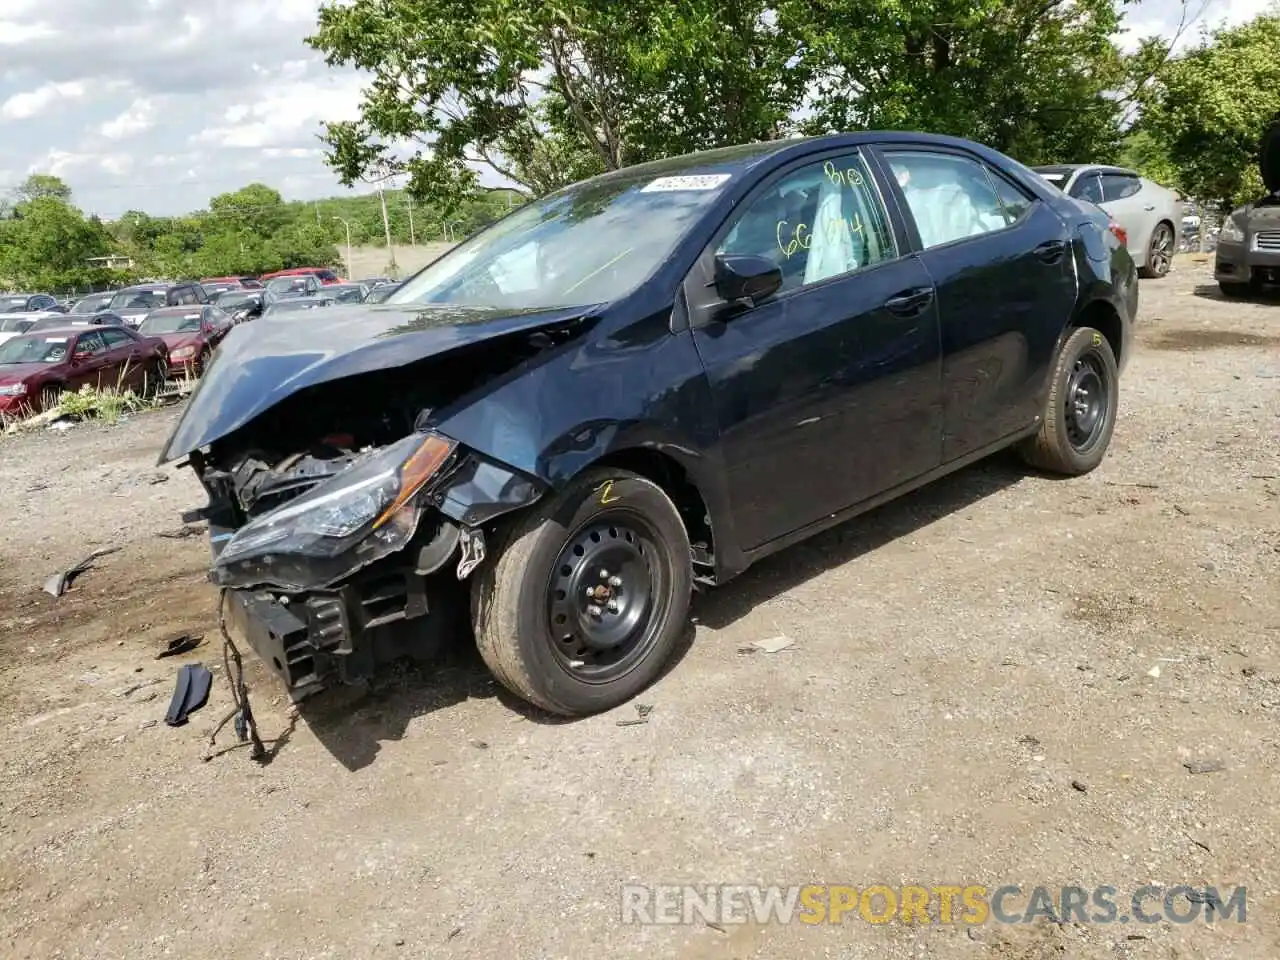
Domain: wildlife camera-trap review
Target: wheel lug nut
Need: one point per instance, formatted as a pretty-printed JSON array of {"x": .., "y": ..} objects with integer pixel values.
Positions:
[
  {"x": 594, "y": 610},
  {"x": 613, "y": 606},
  {"x": 604, "y": 574},
  {"x": 615, "y": 581}
]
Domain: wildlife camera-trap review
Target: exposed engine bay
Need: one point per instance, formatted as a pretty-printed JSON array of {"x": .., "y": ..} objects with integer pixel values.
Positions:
[{"x": 334, "y": 516}]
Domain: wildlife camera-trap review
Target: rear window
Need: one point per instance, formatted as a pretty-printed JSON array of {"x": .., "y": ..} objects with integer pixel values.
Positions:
[
  {"x": 14, "y": 325},
  {"x": 138, "y": 300},
  {"x": 12, "y": 304}
]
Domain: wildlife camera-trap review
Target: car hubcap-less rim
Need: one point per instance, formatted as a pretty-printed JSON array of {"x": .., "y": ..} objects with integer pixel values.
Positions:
[
  {"x": 604, "y": 597},
  {"x": 1087, "y": 403},
  {"x": 1161, "y": 250}
]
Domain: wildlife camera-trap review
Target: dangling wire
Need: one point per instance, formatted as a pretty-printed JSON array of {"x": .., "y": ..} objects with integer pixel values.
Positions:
[{"x": 246, "y": 726}]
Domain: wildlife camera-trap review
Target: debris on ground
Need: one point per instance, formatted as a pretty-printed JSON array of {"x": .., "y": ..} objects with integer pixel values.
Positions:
[
  {"x": 190, "y": 693},
  {"x": 182, "y": 532},
  {"x": 1204, "y": 766},
  {"x": 183, "y": 643},
  {"x": 771, "y": 645},
  {"x": 643, "y": 709},
  {"x": 1080, "y": 786},
  {"x": 1154, "y": 672},
  {"x": 59, "y": 583}
]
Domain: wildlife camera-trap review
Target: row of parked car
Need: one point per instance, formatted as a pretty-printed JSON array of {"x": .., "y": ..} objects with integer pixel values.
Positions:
[{"x": 139, "y": 337}]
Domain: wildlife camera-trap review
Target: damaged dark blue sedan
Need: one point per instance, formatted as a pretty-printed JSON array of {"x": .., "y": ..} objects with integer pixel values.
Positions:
[{"x": 641, "y": 383}]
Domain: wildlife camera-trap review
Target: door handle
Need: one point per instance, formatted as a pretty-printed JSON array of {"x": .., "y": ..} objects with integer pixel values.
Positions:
[
  {"x": 911, "y": 302},
  {"x": 1050, "y": 251},
  {"x": 1149, "y": 207}
]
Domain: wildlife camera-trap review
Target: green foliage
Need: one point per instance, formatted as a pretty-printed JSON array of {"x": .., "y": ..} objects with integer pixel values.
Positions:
[
  {"x": 1210, "y": 107},
  {"x": 47, "y": 244}
]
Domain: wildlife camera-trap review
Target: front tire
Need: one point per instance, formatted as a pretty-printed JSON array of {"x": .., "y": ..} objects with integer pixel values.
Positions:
[
  {"x": 1159, "y": 253},
  {"x": 1080, "y": 410},
  {"x": 583, "y": 601},
  {"x": 1235, "y": 290}
]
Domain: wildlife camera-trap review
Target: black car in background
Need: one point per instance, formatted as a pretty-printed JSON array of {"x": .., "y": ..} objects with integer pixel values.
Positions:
[
  {"x": 28, "y": 303},
  {"x": 133, "y": 303},
  {"x": 644, "y": 381},
  {"x": 243, "y": 304},
  {"x": 296, "y": 304}
]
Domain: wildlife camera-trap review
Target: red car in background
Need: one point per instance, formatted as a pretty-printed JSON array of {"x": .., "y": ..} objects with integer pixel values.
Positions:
[
  {"x": 323, "y": 274},
  {"x": 190, "y": 333},
  {"x": 35, "y": 369}
]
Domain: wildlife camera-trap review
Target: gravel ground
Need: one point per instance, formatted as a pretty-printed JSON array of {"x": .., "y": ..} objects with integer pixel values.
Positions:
[{"x": 997, "y": 680}]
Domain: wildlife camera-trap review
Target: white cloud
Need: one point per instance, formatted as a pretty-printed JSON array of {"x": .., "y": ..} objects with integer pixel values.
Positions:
[
  {"x": 158, "y": 105},
  {"x": 20, "y": 106},
  {"x": 140, "y": 116}
]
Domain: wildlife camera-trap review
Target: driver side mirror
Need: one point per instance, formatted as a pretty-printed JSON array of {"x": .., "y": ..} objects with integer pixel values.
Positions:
[{"x": 742, "y": 277}]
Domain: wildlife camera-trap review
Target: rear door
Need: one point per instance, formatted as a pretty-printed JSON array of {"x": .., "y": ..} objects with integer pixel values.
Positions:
[
  {"x": 1001, "y": 261},
  {"x": 827, "y": 392},
  {"x": 1123, "y": 199},
  {"x": 125, "y": 356}
]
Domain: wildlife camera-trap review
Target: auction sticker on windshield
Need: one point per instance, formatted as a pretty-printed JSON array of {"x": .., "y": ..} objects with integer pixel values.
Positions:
[{"x": 705, "y": 181}]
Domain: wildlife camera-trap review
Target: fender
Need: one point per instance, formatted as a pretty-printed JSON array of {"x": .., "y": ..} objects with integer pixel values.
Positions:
[{"x": 534, "y": 424}]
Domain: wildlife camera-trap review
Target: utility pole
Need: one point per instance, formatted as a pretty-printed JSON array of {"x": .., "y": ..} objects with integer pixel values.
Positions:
[
  {"x": 350, "y": 269},
  {"x": 413, "y": 240},
  {"x": 317, "y": 206},
  {"x": 386, "y": 225}
]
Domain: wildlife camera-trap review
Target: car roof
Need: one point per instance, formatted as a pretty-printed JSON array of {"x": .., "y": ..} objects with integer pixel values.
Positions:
[{"x": 1073, "y": 167}]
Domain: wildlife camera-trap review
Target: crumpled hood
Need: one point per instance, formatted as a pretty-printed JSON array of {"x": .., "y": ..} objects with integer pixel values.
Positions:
[{"x": 260, "y": 364}]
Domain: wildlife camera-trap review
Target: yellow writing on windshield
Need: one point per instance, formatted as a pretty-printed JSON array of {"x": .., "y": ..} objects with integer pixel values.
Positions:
[{"x": 800, "y": 237}]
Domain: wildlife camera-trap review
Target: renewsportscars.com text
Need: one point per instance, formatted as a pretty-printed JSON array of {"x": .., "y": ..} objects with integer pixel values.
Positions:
[{"x": 918, "y": 904}]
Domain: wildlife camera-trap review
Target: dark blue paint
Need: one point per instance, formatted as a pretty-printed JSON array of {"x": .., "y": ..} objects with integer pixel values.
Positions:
[{"x": 787, "y": 417}]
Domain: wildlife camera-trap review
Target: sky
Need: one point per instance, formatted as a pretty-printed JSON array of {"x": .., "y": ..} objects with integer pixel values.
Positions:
[{"x": 158, "y": 105}]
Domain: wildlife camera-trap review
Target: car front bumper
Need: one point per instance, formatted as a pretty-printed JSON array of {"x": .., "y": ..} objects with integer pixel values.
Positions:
[
  {"x": 313, "y": 640},
  {"x": 1243, "y": 262}
]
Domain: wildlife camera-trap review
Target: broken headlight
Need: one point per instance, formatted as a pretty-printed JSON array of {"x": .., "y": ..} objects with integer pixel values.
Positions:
[{"x": 366, "y": 512}]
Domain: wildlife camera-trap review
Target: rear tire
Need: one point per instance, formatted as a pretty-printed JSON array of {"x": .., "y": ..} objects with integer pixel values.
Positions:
[
  {"x": 1159, "y": 253},
  {"x": 50, "y": 397},
  {"x": 1080, "y": 410},
  {"x": 1235, "y": 290},
  {"x": 157, "y": 376},
  {"x": 582, "y": 602}
]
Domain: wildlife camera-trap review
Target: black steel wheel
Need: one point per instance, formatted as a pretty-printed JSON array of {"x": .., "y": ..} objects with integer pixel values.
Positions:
[
  {"x": 1080, "y": 408},
  {"x": 1159, "y": 252},
  {"x": 586, "y": 595}
]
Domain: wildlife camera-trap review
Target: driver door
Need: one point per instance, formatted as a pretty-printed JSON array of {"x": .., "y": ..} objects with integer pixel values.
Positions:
[{"x": 828, "y": 392}]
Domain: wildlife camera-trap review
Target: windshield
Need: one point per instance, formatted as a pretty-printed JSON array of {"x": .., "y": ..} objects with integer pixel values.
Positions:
[
  {"x": 235, "y": 298},
  {"x": 291, "y": 306},
  {"x": 1058, "y": 176},
  {"x": 345, "y": 294},
  {"x": 15, "y": 325},
  {"x": 382, "y": 293},
  {"x": 138, "y": 300},
  {"x": 12, "y": 304},
  {"x": 591, "y": 242},
  {"x": 33, "y": 350},
  {"x": 286, "y": 284},
  {"x": 159, "y": 323},
  {"x": 91, "y": 304}
]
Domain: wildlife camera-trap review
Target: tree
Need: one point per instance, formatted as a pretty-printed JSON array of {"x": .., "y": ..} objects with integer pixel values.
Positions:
[
  {"x": 1210, "y": 107},
  {"x": 546, "y": 94},
  {"x": 50, "y": 246},
  {"x": 40, "y": 185},
  {"x": 1028, "y": 77},
  {"x": 256, "y": 208}
]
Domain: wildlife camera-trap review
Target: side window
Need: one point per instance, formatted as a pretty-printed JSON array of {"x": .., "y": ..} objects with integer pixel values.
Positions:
[
  {"x": 89, "y": 344},
  {"x": 1118, "y": 186},
  {"x": 1087, "y": 188},
  {"x": 187, "y": 295},
  {"x": 116, "y": 338},
  {"x": 950, "y": 197},
  {"x": 819, "y": 221},
  {"x": 1014, "y": 201}
]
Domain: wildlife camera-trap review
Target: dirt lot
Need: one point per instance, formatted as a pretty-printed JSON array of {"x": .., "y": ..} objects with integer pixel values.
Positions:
[{"x": 961, "y": 658}]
